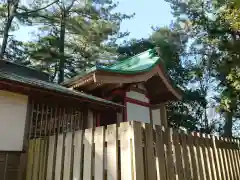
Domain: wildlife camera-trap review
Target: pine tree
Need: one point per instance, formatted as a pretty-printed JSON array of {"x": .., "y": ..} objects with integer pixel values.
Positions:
[
  {"x": 74, "y": 35},
  {"x": 12, "y": 14},
  {"x": 213, "y": 27}
]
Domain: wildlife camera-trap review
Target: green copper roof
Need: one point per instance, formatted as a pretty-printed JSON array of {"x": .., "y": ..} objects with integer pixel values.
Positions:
[
  {"x": 142, "y": 62},
  {"x": 51, "y": 87}
]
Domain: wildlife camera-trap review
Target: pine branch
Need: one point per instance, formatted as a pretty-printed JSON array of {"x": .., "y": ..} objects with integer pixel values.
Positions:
[
  {"x": 36, "y": 10},
  {"x": 70, "y": 6}
]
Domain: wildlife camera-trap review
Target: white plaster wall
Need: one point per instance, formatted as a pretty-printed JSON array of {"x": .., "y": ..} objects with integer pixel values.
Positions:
[
  {"x": 156, "y": 116},
  {"x": 137, "y": 96},
  {"x": 13, "y": 111},
  {"x": 138, "y": 113}
]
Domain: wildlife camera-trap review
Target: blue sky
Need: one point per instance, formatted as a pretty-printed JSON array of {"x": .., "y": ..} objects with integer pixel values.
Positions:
[{"x": 148, "y": 13}]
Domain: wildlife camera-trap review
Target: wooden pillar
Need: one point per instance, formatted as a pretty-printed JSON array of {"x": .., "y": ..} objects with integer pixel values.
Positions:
[{"x": 163, "y": 115}]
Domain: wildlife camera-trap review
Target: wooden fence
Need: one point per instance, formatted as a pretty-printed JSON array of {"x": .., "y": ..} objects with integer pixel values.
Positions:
[{"x": 133, "y": 151}]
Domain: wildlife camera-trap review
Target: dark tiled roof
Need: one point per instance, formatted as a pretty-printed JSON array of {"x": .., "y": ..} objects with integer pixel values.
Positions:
[
  {"x": 4, "y": 75},
  {"x": 23, "y": 70}
]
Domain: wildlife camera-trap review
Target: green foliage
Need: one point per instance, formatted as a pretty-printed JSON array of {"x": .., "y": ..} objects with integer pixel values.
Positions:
[
  {"x": 214, "y": 28},
  {"x": 74, "y": 36},
  {"x": 12, "y": 15}
]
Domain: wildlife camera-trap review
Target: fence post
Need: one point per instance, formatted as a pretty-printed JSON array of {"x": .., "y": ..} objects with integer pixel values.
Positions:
[{"x": 138, "y": 161}]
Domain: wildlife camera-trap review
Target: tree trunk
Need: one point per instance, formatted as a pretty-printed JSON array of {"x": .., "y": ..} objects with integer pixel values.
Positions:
[
  {"x": 61, "y": 49},
  {"x": 7, "y": 26},
  {"x": 228, "y": 124}
]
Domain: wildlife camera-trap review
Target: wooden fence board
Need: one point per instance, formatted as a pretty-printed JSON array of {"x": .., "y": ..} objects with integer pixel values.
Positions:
[
  {"x": 193, "y": 157},
  {"x": 179, "y": 162},
  {"x": 138, "y": 160},
  {"x": 50, "y": 157},
  {"x": 87, "y": 165},
  {"x": 228, "y": 156},
  {"x": 30, "y": 160},
  {"x": 170, "y": 163},
  {"x": 227, "y": 174},
  {"x": 112, "y": 152},
  {"x": 237, "y": 160},
  {"x": 220, "y": 158},
  {"x": 234, "y": 164},
  {"x": 211, "y": 158},
  {"x": 200, "y": 161},
  {"x": 238, "y": 156},
  {"x": 125, "y": 135},
  {"x": 202, "y": 156},
  {"x": 186, "y": 156},
  {"x": 77, "y": 161},
  {"x": 145, "y": 153},
  {"x": 42, "y": 157},
  {"x": 45, "y": 158},
  {"x": 67, "y": 157},
  {"x": 215, "y": 158},
  {"x": 99, "y": 149},
  {"x": 232, "y": 159},
  {"x": 58, "y": 167},
  {"x": 151, "y": 161},
  {"x": 160, "y": 154},
  {"x": 36, "y": 159},
  {"x": 206, "y": 157}
]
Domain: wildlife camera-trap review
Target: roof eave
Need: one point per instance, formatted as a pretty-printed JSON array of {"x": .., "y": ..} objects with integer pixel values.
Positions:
[{"x": 73, "y": 94}]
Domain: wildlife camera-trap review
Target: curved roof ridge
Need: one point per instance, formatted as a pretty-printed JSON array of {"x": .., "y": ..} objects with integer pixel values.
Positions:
[
  {"x": 136, "y": 55},
  {"x": 138, "y": 63}
]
